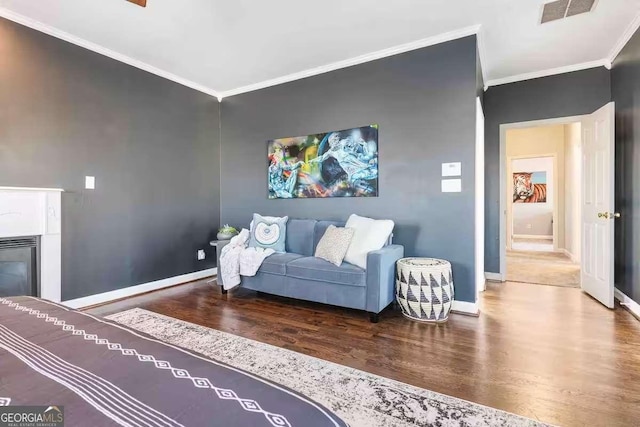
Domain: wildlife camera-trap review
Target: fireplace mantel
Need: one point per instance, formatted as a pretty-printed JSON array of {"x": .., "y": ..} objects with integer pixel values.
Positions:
[{"x": 27, "y": 211}]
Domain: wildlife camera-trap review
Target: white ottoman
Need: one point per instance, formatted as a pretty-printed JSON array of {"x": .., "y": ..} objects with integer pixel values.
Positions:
[{"x": 424, "y": 288}]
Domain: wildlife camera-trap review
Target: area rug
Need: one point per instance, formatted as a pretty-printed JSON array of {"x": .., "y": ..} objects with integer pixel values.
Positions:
[
  {"x": 542, "y": 268},
  {"x": 360, "y": 398}
]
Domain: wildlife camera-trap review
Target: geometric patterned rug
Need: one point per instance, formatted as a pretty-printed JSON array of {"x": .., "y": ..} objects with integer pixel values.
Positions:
[{"x": 360, "y": 398}]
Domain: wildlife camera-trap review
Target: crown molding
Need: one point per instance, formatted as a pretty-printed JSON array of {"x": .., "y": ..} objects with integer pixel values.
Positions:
[
  {"x": 550, "y": 72},
  {"x": 624, "y": 39},
  {"x": 384, "y": 53},
  {"x": 482, "y": 53},
  {"x": 39, "y": 26}
]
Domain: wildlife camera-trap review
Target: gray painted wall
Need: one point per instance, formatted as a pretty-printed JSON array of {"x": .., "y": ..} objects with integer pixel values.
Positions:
[
  {"x": 625, "y": 84},
  {"x": 424, "y": 102},
  {"x": 152, "y": 144},
  {"x": 563, "y": 95}
]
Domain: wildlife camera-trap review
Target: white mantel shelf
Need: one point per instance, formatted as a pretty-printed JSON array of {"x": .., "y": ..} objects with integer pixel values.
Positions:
[{"x": 30, "y": 189}]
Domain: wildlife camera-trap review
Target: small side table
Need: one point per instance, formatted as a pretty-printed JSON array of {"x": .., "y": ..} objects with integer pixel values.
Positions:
[
  {"x": 219, "y": 244},
  {"x": 424, "y": 289}
]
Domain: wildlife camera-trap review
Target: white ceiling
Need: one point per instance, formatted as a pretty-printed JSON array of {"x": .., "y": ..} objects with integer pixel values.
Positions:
[{"x": 229, "y": 46}]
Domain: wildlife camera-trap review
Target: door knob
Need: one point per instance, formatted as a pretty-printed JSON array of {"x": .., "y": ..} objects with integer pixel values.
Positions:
[{"x": 609, "y": 215}]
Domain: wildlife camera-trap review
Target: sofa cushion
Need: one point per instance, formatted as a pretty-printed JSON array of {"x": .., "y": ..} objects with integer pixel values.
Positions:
[
  {"x": 311, "y": 268},
  {"x": 276, "y": 263},
  {"x": 321, "y": 228},
  {"x": 300, "y": 236}
]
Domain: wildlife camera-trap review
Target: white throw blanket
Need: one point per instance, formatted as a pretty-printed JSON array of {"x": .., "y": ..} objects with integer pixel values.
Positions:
[{"x": 237, "y": 259}]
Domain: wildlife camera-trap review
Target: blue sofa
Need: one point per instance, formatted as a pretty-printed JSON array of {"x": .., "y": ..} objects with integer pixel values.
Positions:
[{"x": 298, "y": 274}]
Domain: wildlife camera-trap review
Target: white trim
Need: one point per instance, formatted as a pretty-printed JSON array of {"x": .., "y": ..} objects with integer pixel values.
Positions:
[
  {"x": 384, "y": 53},
  {"x": 395, "y": 50},
  {"x": 465, "y": 307},
  {"x": 479, "y": 201},
  {"x": 138, "y": 289},
  {"x": 570, "y": 256},
  {"x": 628, "y": 303},
  {"x": 482, "y": 53},
  {"x": 532, "y": 236},
  {"x": 624, "y": 39},
  {"x": 39, "y": 26},
  {"x": 550, "y": 72},
  {"x": 30, "y": 189},
  {"x": 493, "y": 277}
]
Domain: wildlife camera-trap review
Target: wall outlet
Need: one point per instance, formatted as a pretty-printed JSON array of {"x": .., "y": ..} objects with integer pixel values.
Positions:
[{"x": 201, "y": 254}]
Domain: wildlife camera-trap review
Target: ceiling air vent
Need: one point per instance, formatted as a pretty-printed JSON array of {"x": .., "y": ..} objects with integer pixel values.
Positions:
[{"x": 561, "y": 9}]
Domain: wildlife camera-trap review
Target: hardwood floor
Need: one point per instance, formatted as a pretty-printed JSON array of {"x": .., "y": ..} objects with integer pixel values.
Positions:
[{"x": 545, "y": 352}]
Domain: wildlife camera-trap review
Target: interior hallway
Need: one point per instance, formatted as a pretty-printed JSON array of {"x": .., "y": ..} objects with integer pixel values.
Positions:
[
  {"x": 542, "y": 268},
  {"x": 538, "y": 245}
]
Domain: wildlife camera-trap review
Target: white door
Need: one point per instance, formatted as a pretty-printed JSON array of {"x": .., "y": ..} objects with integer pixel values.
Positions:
[{"x": 598, "y": 140}]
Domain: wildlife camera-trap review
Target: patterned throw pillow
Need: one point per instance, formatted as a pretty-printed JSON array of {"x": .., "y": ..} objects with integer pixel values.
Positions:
[
  {"x": 268, "y": 232},
  {"x": 334, "y": 244}
]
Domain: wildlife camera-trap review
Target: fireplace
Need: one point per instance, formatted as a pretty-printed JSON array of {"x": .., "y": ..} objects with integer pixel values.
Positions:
[
  {"x": 20, "y": 266},
  {"x": 30, "y": 242}
]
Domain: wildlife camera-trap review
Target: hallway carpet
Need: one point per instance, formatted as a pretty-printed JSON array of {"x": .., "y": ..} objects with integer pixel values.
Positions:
[{"x": 542, "y": 268}]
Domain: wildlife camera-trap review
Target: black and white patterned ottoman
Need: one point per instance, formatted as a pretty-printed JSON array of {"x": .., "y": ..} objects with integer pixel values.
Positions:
[{"x": 424, "y": 288}]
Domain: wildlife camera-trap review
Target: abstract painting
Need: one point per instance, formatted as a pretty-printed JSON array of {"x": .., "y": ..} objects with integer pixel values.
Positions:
[
  {"x": 530, "y": 187},
  {"x": 342, "y": 163}
]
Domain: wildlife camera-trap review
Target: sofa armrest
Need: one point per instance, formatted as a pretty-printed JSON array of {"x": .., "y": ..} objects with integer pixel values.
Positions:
[{"x": 381, "y": 272}]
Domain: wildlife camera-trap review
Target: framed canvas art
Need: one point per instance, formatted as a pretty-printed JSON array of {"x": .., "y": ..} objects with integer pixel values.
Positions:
[
  {"x": 530, "y": 187},
  {"x": 341, "y": 163}
]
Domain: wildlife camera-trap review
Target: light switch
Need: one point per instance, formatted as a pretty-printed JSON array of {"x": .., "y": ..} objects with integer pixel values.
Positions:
[
  {"x": 451, "y": 185},
  {"x": 90, "y": 182},
  {"x": 452, "y": 169}
]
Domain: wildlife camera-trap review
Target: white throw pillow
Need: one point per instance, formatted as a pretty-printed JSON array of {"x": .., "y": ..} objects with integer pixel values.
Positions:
[{"x": 368, "y": 235}]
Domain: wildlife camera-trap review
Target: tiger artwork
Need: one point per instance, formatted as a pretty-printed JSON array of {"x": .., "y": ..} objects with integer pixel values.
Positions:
[{"x": 524, "y": 191}]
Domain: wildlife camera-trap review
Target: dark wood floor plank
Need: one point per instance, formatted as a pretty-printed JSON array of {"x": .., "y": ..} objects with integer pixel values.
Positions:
[{"x": 545, "y": 352}]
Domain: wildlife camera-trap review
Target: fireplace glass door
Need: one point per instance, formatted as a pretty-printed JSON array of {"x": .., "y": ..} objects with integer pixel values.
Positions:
[{"x": 18, "y": 267}]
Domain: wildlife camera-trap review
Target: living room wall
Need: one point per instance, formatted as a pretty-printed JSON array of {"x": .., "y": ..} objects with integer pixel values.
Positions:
[
  {"x": 562, "y": 95},
  {"x": 424, "y": 103},
  {"x": 625, "y": 88},
  {"x": 153, "y": 146}
]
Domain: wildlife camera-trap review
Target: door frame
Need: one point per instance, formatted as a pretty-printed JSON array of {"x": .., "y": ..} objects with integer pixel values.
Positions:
[
  {"x": 509, "y": 198},
  {"x": 502, "y": 244}
]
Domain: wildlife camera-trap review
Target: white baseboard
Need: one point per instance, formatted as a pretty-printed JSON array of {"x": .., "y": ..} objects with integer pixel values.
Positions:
[
  {"x": 628, "y": 303},
  {"x": 464, "y": 307},
  {"x": 138, "y": 289},
  {"x": 494, "y": 277},
  {"x": 532, "y": 236},
  {"x": 482, "y": 286},
  {"x": 569, "y": 255}
]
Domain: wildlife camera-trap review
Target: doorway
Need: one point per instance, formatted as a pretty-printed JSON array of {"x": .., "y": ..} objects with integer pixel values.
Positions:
[
  {"x": 533, "y": 208},
  {"x": 542, "y": 193},
  {"x": 593, "y": 233}
]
